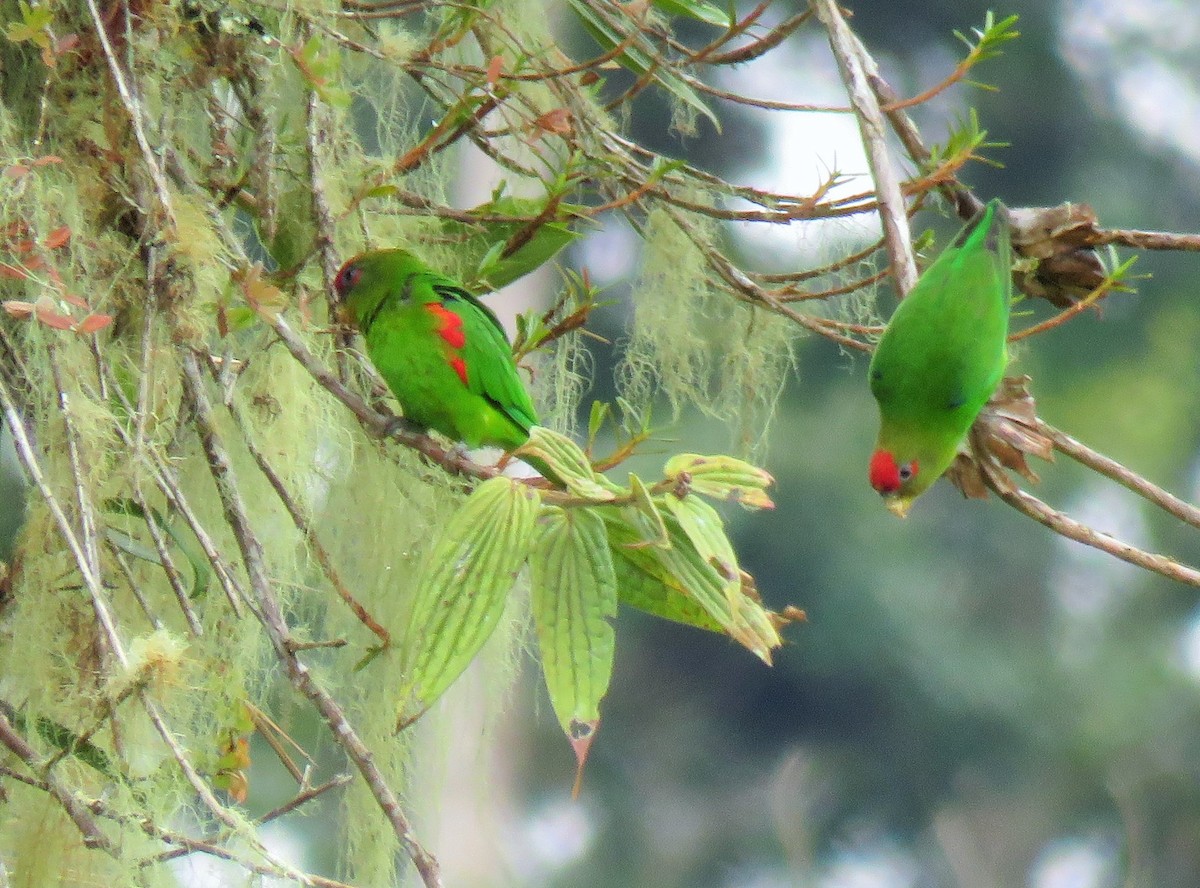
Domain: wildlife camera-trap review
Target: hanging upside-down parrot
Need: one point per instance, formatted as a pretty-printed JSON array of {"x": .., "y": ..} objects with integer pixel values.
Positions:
[
  {"x": 941, "y": 357},
  {"x": 441, "y": 351}
]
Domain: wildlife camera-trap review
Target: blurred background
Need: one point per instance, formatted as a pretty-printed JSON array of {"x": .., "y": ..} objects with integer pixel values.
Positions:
[{"x": 974, "y": 701}]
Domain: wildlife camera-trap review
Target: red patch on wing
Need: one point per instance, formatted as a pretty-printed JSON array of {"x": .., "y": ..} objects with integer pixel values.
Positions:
[
  {"x": 460, "y": 367},
  {"x": 450, "y": 327},
  {"x": 885, "y": 474}
]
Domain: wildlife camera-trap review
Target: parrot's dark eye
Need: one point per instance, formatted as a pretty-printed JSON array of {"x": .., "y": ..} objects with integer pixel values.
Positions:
[
  {"x": 908, "y": 470},
  {"x": 347, "y": 278}
]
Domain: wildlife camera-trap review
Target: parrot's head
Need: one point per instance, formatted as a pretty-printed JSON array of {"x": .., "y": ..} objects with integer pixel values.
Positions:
[
  {"x": 899, "y": 483},
  {"x": 362, "y": 282}
]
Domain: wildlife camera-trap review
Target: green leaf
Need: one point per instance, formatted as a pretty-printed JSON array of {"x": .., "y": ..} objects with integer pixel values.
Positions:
[
  {"x": 32, "y": 27},
  {"x": 599, "y": 413},
  {"x": 653, "y": 530},
  {"x": 574, "y": 598},
  {"x": 704, "y": 528},
  {"x": 643, "y": 582},
  {"x": 722, "y": 478},
  {"x": 201, "y": 570},
  {"x": 708, "y": 576},
  {"x": 680, "y": 564},
  {"x": 463, "y": 587},
  {"x": 481, "y": 246},
  {"x": 698, "y": 10},
  {"x": 637, "y": 59},
  {"x": 567, "y": 462}
]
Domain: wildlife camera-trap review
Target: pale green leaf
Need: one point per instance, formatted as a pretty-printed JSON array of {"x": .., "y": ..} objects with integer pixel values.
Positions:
[
  {"x": 681, "y": 565},
  {"x": 567, "y": 462},
  {"x": 637, "y": 60},
  {"x": 654, "y": 532},
  {"x": 643, "y": 582},
  {"x": 463, "y": 586},
  {"x": 704, "y": 528},
  {"x": 722, "y": 478},
  {"x": 574, "y": 598},
  {"x": 698, "y": 10}
]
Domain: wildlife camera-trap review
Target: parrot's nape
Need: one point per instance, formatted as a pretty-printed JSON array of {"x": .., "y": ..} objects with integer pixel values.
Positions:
[{"x": 941, "y": 357}]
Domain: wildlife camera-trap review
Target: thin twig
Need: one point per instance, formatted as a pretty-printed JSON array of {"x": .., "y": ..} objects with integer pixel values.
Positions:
[
  {"x": 853, "y": 61},
  {"x": 1029, "y": 505},
  {"x": 134, "y": 110},
  {"x": 304, "y": 526},
  {"x": 271, "y": 616},
  {"x": 70, "y": 801},
  {"x": 286, "y": 808},
  {"x": 1113, "y": 470}
]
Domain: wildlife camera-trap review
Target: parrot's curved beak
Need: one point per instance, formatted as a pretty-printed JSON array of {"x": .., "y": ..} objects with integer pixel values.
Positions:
[{"x": 898, "y": 505}]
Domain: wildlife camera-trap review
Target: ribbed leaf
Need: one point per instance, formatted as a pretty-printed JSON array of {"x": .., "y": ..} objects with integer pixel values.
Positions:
[
  {"x": 643, "y": 582},
  {"x": 464, "y": 585},
  {"x": 681, "y": 565},
  {"x": 574, "y": 597},
  {"x": 706, "y": 531},
  {"x": 568, "y": 463},
  {"x": 722, "y": 478},
  {"x": 651, "y": 527}
]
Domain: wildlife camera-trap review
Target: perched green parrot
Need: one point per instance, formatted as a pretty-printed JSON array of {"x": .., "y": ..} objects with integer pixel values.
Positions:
[
  {"x": 441, "y": 351},
  {"x": 940, "y": 359}
]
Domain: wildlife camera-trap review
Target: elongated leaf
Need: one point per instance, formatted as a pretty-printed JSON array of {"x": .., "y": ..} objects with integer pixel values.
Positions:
[
  {"x": 681, "y": 564},
  {"x": 704, "y": 528},
  {"x": 698, "y": 10},
  {"x": 201, "y": 571},
  {"x": 709, "y": 578},
  {"x": 636, "y": 59},
  {"x": 642, "y": 582},
  {"x": 574, "y": 597},
  {"x": 722, "y": 478},
  {"x": 478, "y": 246},
  {"x": 652, "y": 528},
  {"x": 463, "y": 587}
]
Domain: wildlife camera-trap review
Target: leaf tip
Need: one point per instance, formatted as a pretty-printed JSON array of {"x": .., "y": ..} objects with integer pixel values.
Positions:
[{"x": 581, "y": 734}]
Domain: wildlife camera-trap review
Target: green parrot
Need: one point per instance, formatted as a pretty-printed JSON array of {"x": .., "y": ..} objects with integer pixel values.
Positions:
[
  {"x": 941, "y": 357},
  {"x": 441, "y": 351}
]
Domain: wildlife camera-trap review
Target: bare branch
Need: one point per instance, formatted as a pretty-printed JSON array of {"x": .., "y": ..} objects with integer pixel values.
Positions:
[
  {"x": 855, "y": 65},
  {"x": 272, "y": 619}
]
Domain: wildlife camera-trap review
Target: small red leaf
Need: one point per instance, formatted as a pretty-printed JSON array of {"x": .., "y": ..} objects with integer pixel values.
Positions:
[
  {"x": 52, "y": 318},
  {"x": 77, "y": 301},
  {"x": 93, "y": 322},
  {"x": 556, "y": 121},
  {"x": 46, "y": 159},
  {"x": 17, "y": 308},
  {"x": 15, "y": 171},
  {"x": 57, "y": 238},
  {"x": 13, "y": 271},
  {"x": 494, "y": 69}
]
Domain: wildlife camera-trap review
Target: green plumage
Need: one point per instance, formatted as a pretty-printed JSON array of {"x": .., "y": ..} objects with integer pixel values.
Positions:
[
  {"x": 941, "y": 357},
  {"x": 441, "y": 351}
]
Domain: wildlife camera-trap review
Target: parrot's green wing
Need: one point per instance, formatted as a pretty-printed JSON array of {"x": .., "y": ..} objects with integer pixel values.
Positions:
[
  {"x": 491, "y": 371},
  {"x": 944, "y": 348},
  {"x": 942, "y": 356}
]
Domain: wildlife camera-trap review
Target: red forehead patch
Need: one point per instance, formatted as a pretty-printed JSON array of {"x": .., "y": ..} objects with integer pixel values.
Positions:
[{"x": 885, "y": 474}]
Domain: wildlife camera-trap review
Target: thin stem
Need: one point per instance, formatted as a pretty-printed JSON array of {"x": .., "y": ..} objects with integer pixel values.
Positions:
[{"x": 853, "y": 61}]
